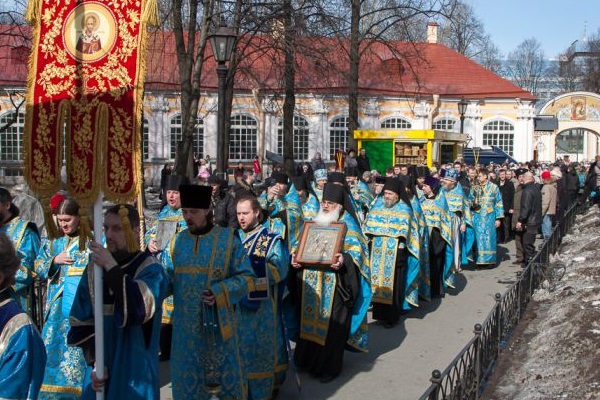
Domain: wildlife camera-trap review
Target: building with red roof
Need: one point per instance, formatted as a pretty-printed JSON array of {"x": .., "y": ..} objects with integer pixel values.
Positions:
[{"x": 401, "y": 86}]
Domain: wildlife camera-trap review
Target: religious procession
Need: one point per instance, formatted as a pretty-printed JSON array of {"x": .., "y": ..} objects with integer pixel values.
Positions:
[{"x": 242, "y": 286}]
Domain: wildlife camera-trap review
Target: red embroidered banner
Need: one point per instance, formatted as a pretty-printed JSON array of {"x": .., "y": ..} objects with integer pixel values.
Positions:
[{"x": 86, "y": 76}]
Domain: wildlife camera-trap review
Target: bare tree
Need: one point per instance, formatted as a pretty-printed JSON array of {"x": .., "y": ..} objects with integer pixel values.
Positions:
[
  {"x": 525, "y": 65},
  {"x": 464, "y": 32},
  {"x": 591, "y": 78}
]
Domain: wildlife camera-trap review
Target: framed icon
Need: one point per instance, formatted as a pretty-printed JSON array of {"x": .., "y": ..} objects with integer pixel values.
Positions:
[
  {"x": 319, "y": 244},
  {"x": 165, "y": 231}
]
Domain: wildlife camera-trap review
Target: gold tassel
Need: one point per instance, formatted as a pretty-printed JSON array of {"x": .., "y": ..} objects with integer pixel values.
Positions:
[
  {"x": 51, "y": 228},
  {"x": 150, "y": 15},
  {"x": 132, "y": 244},
  {"x": 85, "y": 231},
  {"x": 32, "y": 14}
]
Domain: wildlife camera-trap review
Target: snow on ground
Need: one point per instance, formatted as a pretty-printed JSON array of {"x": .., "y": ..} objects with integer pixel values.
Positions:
[{"x": 555, "y": 351}]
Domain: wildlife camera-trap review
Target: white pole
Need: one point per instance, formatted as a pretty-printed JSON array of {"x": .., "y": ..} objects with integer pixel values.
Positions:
[{"x": 99, "y": 297}]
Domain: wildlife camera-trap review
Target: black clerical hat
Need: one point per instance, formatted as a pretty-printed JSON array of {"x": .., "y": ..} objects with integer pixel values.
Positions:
[
  {"x": 174, "y": 181},
  {"x": 380, "y": 179},
  {"x": 336, "y": 177},
  {"x": 334, "y": 193},
  {"x": 195, "y": 196},
  {"x": 351, "y": 171},
  {"x": 280, "y": 177},
  {"x": 300, "y": 183},
  {"x": 395, "y": 185}
]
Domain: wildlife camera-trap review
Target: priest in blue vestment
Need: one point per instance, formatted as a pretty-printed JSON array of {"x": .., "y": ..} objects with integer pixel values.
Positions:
[
  {"x": 26, "y": 240},
  {"x": 22, "y": 351},
  {"x": 460, "y": 214},
  {"x": 435, "y": 211},
  {"x": 283, "y": 208},
  {"x": 393, "y": 231},
  {"x": 210, "y": 275},
  {"x": 168, "y": 223},
  {"x": 486, "y": 204},
  {"x": 134, "y": 287},
  {"x": 334, "y": 299},
  {"x": 61, "y": 261},
  {"x": 261, "y": 321}
]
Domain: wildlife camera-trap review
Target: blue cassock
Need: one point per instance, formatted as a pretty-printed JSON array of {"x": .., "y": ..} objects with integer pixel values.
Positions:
[
  {"x": 311, "y": 207},
  {"x": 206, "y": 337},
  {"x": 435, "y": 211},
  {"x": 424, "y": 282},
  {"x": 133, "y": 293},
  {"x": 387, "y": 226},
  {"x": 66, "y": 365},
  {"x": 490, "y": 199},
  {"x": 26, "y": 239},
  {"x": 166, "y": 214},
  {"x": 460, "y": 213},
  {"x": 22, "y": 352},
  {"x": 365, "y": 197},
  {"x": 318, "y": 289},
  {"x": 261, "y": 321},
  {"x": 291, "y": 206}
]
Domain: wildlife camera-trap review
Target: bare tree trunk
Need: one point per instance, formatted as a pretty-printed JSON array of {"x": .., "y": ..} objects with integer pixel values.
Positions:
[
  {"x": 353, "y": 73},
  {"x": 289, "y": 102},
  {"x": 190, "y": 56}
]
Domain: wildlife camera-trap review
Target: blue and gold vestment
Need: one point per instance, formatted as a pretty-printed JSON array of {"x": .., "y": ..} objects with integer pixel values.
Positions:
[
  {"x": 133, "y": 294},
  {"x": 484, "y": 221},
  {"x": 387, "y": 226},
  {"x": 168, "y": 213},
  {"x": 261, "y": 322},
  {"x": 66, "y": 365},
  {"x": 26, "y": 240},
  {"x": 22, "y": 352},
  {"x": 215, "y": 260}
]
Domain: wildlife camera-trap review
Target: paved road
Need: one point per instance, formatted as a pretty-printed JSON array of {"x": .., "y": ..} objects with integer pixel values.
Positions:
[{"x": 400, "y": 360}]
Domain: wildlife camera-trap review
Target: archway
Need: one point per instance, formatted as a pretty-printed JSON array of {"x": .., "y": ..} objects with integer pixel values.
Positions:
[{"x": 573, "y": 142}]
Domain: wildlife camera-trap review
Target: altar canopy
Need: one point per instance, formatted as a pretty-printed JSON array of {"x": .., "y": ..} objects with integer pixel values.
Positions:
[{"x": 85, "y": 86}]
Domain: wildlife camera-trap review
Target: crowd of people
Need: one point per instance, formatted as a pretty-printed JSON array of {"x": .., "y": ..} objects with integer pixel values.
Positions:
[{"x": 226, "y": 278}]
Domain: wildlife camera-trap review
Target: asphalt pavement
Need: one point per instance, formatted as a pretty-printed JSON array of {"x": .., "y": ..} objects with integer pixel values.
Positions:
[{"x": 400, "y": 360}]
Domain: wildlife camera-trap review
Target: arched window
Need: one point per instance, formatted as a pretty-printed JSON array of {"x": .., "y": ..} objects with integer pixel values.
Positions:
[
  {"x": 501, "y": 134},
  {"x": 177, "y": 136},
  {"x": 446, "y": 124},
  {"x": 145, "y": 140},
  {"x": 12, "y": 138},
  {"x": 242, "y": 137},
  {"x": 396, "y": 123},
  {"x": 338, "y": 135},
  {"x": 300, "y": 138}
]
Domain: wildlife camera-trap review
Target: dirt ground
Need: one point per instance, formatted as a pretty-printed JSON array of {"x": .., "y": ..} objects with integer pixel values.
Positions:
[{"x": 555, "y": 351}]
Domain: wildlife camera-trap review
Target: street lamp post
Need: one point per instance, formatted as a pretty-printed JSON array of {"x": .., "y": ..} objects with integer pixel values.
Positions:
[
  {"x": 222, "y": 42},
  {"x": 462, "y": 109}
]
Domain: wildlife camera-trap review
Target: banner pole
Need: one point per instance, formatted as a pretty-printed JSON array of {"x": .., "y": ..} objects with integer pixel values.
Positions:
[{"x": 99, "y": 297}]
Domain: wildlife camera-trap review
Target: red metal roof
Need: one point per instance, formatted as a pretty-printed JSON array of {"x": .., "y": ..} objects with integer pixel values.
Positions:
[{"x": 395, "y": 69}]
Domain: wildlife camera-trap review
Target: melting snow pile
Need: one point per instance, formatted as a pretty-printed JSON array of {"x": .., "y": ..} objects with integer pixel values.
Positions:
[{"x": 555, "y": 351}]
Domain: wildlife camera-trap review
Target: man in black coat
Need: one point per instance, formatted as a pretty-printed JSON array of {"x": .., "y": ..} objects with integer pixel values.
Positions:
[
  {"x": 223, "y": 203},
  {"x": 507, "y": 191},
  {"x": 362, "y": 162},
  {"x": 530, "y": 215}
]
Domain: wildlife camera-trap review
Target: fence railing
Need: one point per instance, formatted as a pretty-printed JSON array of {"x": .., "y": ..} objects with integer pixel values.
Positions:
[{"x": 467, "y": 375}]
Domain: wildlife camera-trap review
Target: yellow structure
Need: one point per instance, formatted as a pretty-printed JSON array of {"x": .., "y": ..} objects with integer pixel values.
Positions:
[{"x": 415, "y": 147}]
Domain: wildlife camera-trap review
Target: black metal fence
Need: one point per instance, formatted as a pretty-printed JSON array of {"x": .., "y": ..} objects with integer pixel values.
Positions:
[{"x": 467, "y": 375}]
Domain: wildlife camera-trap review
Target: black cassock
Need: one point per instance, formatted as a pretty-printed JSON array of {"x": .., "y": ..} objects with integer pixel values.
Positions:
[
  {"x": 437, "y": 256},
  {"x": 327, "y": 360}
]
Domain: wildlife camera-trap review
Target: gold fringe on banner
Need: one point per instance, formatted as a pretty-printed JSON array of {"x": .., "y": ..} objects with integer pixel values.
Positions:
[
  {"x": 51, "y": 228},
  {"x": 132, "y": 244},
  {"x": 85, "y": 231},
  {"x": 32, "y": 14},
  {"x": 150, "y": 15}
]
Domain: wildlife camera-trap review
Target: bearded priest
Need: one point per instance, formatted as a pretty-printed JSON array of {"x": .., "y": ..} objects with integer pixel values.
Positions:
[{"x": 333, "y": 300}]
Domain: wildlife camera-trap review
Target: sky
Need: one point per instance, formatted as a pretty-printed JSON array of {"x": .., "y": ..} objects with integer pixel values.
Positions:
[{"x": 554, "y": 23}]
